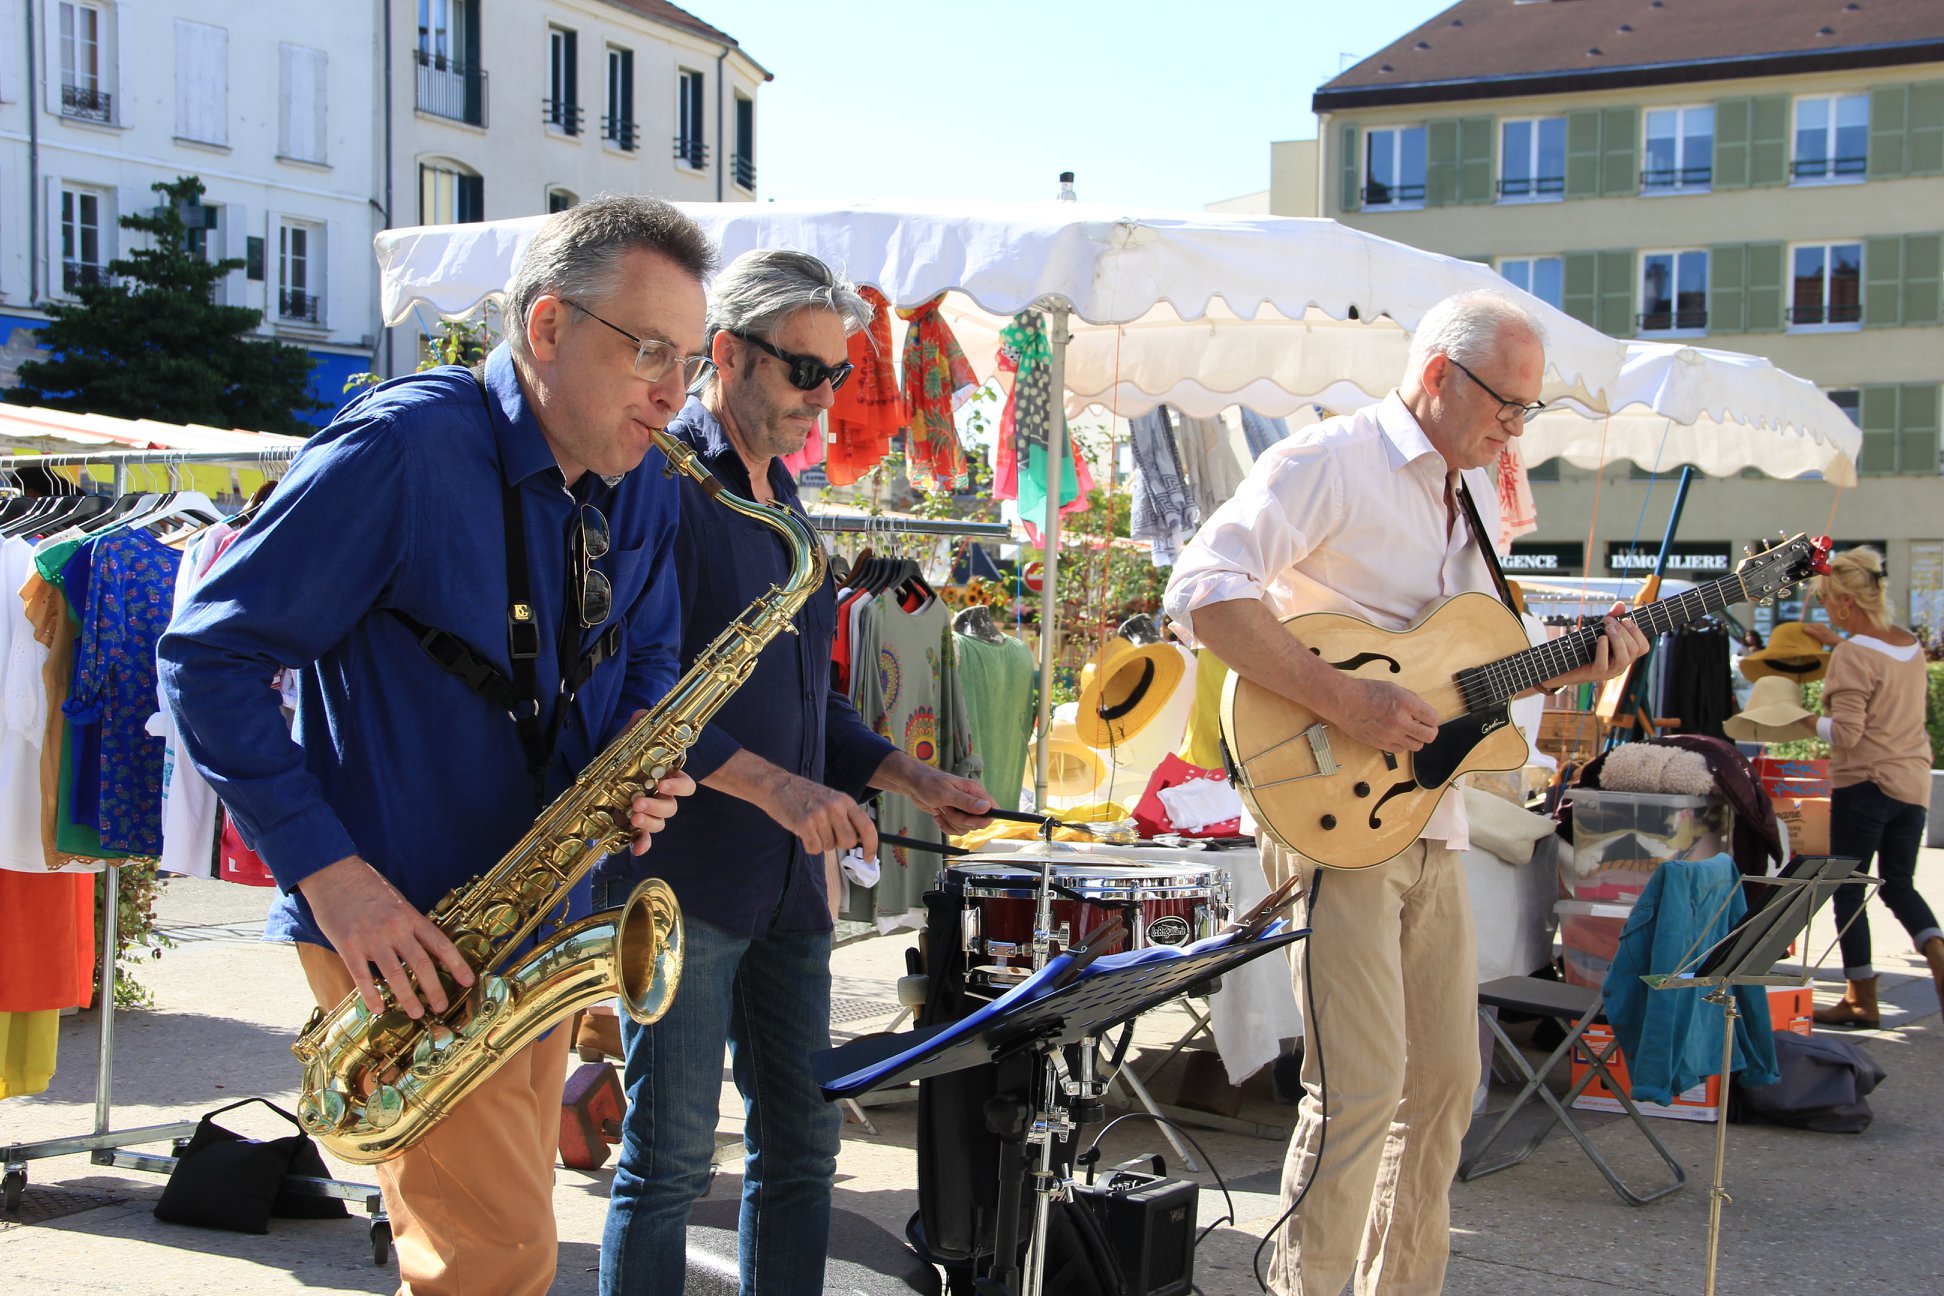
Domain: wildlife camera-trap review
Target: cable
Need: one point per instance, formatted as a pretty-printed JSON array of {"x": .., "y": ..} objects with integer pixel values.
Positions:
[
  {"x": 1088, "y": 1158},
  {"x": 1312, "y": 1039}
]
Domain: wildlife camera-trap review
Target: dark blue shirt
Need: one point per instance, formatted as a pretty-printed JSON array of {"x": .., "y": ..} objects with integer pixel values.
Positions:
[
  {"x": 731, "y": 864},
  {"x": 397, "y": 505}
]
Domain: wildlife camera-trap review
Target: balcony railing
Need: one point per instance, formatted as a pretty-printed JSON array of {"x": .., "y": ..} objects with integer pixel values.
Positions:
[
  {"x": 1834, "y": 313},
  {"x": 450, "y": 89},
  {"x": 298, "y": 308},
  {"x": 76, "y": 273},
  {"x": 691, "y": 151},
  {"x": 564, "y": 115},
  {"x": 1660, "y": 321},
  {"x": 1677, "y": 178},
  {"x": 745, "y": 170},
  {"x": 1822, "y": 168},
  {"x": 625, "y": 135},
  {"x": 86, "y": 103},
  {"x": 1531, "y": 186},
  {"x": 1387, "y": 195}
]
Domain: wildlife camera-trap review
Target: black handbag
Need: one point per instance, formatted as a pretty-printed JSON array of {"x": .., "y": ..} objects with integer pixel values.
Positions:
[{"x": 224, "y": 1180}]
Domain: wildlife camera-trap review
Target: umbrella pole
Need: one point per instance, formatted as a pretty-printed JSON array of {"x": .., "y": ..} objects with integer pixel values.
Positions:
[
  {"x": 1634, "y": 704},
  {"x": 1057, "y": 455}
]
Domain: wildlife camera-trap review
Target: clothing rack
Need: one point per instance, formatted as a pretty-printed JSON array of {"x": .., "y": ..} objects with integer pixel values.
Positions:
[
  {"x": 105, "y": 1144},
  {"x": 868, "y": 524}
]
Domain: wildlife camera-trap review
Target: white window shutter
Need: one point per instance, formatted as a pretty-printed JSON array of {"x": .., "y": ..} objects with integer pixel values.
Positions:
[
  {"x": 301, "y": 103},
  {"x": 319, "y": 104},
  {"x": 11, "y": 26},
  {"x": 202, "y": 82},
  {"x": 286, "y": 59}
]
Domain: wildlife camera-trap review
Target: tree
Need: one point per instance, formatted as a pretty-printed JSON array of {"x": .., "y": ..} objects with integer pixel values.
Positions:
[{"x": 149, "y": 341}]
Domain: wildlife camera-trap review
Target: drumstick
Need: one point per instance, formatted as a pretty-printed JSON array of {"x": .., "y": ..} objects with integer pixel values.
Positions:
[{"x": 918, "y": 843}]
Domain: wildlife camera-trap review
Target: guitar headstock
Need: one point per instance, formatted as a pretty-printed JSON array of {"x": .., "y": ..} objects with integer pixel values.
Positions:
[{"x": 1769, "y": 572}]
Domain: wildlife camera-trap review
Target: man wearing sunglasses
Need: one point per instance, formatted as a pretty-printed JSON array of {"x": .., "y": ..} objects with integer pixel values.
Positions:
[
  {"x": 473, "y": 571},
  {"x": 781, "y": 767},
  {"x": 1367, "y": 515}
]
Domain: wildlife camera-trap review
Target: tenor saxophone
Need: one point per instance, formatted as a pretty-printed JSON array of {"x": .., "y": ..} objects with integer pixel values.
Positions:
[{"x": 375, "y": 1083}]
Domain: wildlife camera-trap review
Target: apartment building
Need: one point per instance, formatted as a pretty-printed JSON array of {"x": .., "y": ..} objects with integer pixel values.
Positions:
[{"x": 1763, "y": 176}]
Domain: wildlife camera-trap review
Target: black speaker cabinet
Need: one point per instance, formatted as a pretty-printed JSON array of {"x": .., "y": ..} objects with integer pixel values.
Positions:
[{"x": 1150, "y": 1226}]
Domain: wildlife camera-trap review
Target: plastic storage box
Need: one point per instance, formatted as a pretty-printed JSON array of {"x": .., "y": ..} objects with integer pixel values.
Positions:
[{"x": 1620, "y": 838}]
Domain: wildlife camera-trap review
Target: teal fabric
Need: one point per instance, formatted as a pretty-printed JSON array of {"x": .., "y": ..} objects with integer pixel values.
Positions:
[
  {"x": 1671, "y": 1038},
  {"x": 998, "y": 683}
]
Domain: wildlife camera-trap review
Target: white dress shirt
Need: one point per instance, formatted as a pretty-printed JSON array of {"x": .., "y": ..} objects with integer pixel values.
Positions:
[{"x": 1348, "y": 515}]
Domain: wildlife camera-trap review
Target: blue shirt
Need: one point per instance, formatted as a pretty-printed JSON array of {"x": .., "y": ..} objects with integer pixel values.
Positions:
[
  {"x": 397, "y": 505},
  {"x": 729, "y": 863}
]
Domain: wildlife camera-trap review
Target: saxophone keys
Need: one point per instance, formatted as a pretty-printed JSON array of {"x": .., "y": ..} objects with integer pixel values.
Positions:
[
  {"x": 384, "y": 1107},
  {"x": 499, "y": 920},
  {"x": 474, "y": 948}
]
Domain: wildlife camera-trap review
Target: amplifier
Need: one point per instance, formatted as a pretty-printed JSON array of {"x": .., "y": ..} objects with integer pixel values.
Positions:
[{"x": 1150, "y": 1227}]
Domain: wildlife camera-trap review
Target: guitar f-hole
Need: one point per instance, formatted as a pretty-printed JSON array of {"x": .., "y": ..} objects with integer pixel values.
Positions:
[{"x": 1396, "y": 789}]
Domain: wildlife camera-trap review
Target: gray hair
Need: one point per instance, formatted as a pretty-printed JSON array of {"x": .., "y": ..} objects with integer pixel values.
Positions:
[
  {"x": 759, "y": 290},
  {"x": 1466, "y": 327},
  {"x": 577, "y": 253}
]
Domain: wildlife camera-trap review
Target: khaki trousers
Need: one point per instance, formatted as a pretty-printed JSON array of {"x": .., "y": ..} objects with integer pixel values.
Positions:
[
  {"x": 1388, "y": 985},
  {"x": 472, "y": 1205}
]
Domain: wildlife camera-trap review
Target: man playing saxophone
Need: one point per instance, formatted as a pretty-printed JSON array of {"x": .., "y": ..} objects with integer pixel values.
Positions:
[
  {"x": 780, "y": 766},
  {"x": 473, "y": 573}
]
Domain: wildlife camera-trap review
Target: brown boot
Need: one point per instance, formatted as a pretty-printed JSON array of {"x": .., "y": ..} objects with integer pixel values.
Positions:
[
  {"x": 1857, "y": 1009},
  {"x": 597, "y": 1037},
  {"x": 1934, "y": 955}
]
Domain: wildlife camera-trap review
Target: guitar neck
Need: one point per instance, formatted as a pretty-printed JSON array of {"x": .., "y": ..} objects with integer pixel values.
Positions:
[{"x": 1496, "y": 682}]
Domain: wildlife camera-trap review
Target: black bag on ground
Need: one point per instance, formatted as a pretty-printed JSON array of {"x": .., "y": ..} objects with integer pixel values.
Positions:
[
  {"x": 224, "y": 1180},
  {"x": 1822, "y": 1088}
]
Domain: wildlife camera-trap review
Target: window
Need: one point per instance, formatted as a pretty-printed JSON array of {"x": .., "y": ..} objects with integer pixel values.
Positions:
[
  {"x": 1532, "y": 158},
  {"x": 746, "y": 142},
  {"x": 1848, "y": 400},
  {"x": 618, "y": 127},
  {"x": 1674, "y": 292},
  {"x": 691, "y": 150},
  {"x": 563, "y": 81},
  {"x": 300, "y": 249},
  {"x": 450, "y": 83},
  {"x": 84, "y": 94},
  {"x": 301, "y": 104},
  {"x": 83, "y": 257},
  {"x": 1394, "y": 167},
  {"x": 202, "y": 82},
  {"x": 1543, "y": 277},
  {"x": 449, "y": 194},
  {"x": 559, "y": 200},
  {"x": 1832, "y": 138},
  {"x": 1680, "y": 150},
  {"x": 1826, "y": 285}
]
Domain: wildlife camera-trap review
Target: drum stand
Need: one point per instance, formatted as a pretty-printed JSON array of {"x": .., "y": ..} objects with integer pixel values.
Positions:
[{"x": 1064, "y": 1103}]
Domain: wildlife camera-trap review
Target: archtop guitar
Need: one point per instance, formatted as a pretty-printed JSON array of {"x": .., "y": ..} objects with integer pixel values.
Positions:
[{"x": 1347, "y": 805}]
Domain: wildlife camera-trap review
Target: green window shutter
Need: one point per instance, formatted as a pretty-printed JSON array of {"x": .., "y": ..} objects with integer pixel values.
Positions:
[
  {"x": 1766, "y": 291},
  {"x": 1619, "y": 152},
  {"x": 1616, "y": 317},
  {"x": 1579, "y": 293},
  {"x": 1924, "y": 143},
  {"x": 1731, "y": 143},
  {"x": 1583, "y": 154},
  {"x": 1768, "y": 141},
  {"x": 1441, "y": 163},
  {"x": 1888, "y": 105},
  {"x": 1727, "y": 279},
  {"x": 1475, "y": 159},
  {"x": 1882, "y": 282},
  {"x": 1917, "y": 430},
  {"x": 1349, "y": 167},
  {"x": 1877, "y": 411},
  {"x": 1923, "y": 279}
]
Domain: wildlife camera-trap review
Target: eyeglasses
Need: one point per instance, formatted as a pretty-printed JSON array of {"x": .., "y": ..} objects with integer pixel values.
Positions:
[
  {"x": 1508, "y": 409},
  {"x": 654, "y": 360},
  {"x": 590, "y": 543},
  {"x": 806, "y": 372}
]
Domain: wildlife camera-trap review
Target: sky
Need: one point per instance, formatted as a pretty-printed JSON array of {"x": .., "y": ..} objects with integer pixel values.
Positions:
[{"x": 1151, "y": 104}]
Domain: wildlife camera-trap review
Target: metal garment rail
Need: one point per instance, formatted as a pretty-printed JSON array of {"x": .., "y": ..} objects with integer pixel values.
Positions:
[
  {"x": 864, "y": 523},
  {"x": 105, "y": 1144}
]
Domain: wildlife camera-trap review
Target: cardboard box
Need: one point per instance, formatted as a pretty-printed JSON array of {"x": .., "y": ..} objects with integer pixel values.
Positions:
[
  {"x": 1806, "y": 820},
  {"x": 1789, "y": 1010}
]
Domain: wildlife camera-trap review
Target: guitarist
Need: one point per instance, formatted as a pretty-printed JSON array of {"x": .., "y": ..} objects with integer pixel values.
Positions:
[{"x": 1363, "y": 514}]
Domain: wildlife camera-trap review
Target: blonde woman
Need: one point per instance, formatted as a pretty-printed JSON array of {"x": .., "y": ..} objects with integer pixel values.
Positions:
[{"x": 1879, "y": 770}]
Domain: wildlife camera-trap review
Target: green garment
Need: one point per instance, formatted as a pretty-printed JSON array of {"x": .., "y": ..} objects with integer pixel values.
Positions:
[{"x": 998, "y": 683}]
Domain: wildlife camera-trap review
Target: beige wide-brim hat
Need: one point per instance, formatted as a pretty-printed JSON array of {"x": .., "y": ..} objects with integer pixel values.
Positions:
[
  {"x": 1073, "y": 769},
  {"x": 1774, "y": 713},
  {"x": 1126, "y": 688},
  {"x": 1791, "y": 654}
]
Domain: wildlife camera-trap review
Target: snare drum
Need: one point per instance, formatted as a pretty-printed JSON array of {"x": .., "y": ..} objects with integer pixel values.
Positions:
[{"x": 1160, "y": 904}]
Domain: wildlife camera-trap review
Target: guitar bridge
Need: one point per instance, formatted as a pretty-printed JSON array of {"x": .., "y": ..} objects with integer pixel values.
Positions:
[{"x": 1319, "y": 744}]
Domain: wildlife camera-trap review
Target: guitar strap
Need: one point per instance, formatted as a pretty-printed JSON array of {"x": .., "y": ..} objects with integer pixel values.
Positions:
[{"x": 1485, "y": 546}]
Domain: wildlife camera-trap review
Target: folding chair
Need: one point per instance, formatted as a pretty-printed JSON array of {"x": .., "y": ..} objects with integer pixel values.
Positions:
[{"x": 1575, "y": 1008}]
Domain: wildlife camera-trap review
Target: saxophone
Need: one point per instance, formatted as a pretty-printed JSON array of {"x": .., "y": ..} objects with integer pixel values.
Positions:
[{"x": 375, "y": 1084}]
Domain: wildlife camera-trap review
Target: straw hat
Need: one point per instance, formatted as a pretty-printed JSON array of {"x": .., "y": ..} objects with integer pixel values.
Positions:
[
  {"x": 1791, "y": 653},
  {"x": 1072, "y": 768},
  {"x": 1126, "y": 688},
  {"x": 1774, "y": 713}
]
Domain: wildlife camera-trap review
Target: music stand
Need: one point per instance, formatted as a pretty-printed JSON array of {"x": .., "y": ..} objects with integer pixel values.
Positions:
[
  {"x": 1074, "y": 998},
  {"x": 1745, "y": 957}
]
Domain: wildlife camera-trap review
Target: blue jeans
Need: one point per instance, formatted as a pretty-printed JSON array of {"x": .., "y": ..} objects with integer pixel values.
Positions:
[
  {"x": 1864, "y": 822},
  {"x": 769, "y": 1000}
]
